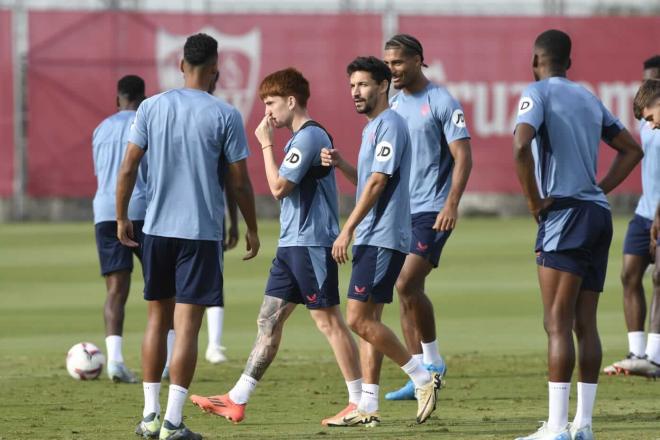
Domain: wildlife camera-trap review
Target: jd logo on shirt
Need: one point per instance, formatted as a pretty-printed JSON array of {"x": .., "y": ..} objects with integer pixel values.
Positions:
[
  {"x": 526, "y": 105},
  {"x": 384, "y": 151},
  {"x": 293, "y": 158},
  {"x": 458, "y": 118}
]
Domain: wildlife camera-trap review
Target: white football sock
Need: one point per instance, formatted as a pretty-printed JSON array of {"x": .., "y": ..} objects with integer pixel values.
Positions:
[
  {"x": 369, "y": 400},
  {"x": 586, "y": 396},
  {"x": 175, "y": 400},
  {"x": 151, "y": 398},
  {"x": 354, "y": 391},
  {"x": 244, "y": 387},
  {"x": 431, "y": 353},
  {"x": 214, "y": 318},
  {"x": 653, "y": 347},
  {"x": 558, "y": 394},
  {"x": 418, "y": 374},
  {"x": 636, "y": 343},
  {"x": 113, "y": 345},
  {"x": 170, "y": 347}
]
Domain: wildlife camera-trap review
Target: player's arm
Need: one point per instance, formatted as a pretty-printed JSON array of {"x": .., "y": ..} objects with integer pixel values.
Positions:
[
  {"x": 372, "y": 190},
  {"x": 126, "y": 177},
  {"x": 238, "y": 182},
  {"x": 462, "y": 154},
  {"x": 232, "y": 232},
  {"x": 331, "y": 157},
  {"x": 531, "y": 115},
  {"x": 522, "y": 154},
  {"x": 629, "y": 153},
  {"x": 278, "y": 185}
]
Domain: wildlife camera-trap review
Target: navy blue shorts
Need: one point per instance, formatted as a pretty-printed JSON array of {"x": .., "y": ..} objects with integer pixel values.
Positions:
[
  {"x": 114, "y": 256},
  {"x": 189, "y": 270},
  {"x": 574, "y": 236},
  {"x": 638, "y": 237},
  {"x": 426, "y": 241},
  {"x": 304, "y": 275},
  {"x": 375, "y": 270}
]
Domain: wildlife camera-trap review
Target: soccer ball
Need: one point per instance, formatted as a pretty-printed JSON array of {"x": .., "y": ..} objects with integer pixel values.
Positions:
[{"x": 84, "y": 361}]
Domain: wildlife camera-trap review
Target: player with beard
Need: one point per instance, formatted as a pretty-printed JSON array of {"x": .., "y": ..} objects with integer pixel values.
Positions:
[
  {"x": 380, "y": 222},
  {"x": 440, "y": 168}
]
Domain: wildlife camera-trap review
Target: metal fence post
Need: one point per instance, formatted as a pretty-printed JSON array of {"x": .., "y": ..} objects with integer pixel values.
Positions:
[{"x": 19, "y": 56}]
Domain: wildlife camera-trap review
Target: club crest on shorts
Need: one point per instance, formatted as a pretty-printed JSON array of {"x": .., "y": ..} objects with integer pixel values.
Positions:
[{"x": 239, "y": 59}]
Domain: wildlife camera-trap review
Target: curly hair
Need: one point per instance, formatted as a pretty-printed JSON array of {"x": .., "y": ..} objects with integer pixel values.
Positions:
[
  {"x": 200, "y": 49},
  {"x": 131, "y": 87}
]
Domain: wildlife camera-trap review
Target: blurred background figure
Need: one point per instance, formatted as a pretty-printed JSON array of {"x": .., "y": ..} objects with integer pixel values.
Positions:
[{"x": 109, "y": 145}]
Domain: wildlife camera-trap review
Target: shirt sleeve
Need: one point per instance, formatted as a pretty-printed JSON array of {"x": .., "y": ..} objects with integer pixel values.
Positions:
[
  {"x": 138, "y": 133},
  {"x": 611, "y": 125},
  {"x": 450, "y": 116},
  {"x": 390, "y": 141},
  {"x": 95, "y": 150},
  {"x": 530, "y": 108},
  {"x": 304, "y": 150},
  {"x": 236, "y": 146}
]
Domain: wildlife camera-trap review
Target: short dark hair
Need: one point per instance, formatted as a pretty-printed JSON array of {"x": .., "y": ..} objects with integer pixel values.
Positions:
[
  {"x": 646, "y": 95},
  {"x": 200, "y": 49},
  {"x": 377, "y": 68},
  {"x": 408, "y": 44},
  {"x": 287, "y": 82},
  {"x": 131, "y": 87},
  {"x": 556, "y": 44},
  {"x": 652, "y": 63}
]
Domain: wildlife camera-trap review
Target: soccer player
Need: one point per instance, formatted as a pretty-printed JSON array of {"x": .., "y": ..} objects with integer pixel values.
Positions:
[
  {"x": 647, "y": 108},
  {"x": 187, "y": 135},
  {"x": 636, "y": 258},
  {"x": 215, "y": 352},
  {"x": 109, "y": 144},
  {"x": 557, "y": 134},
  {"x": 381, "y": 224},
  {"x": 303, "y": 271},
  {"x": 440, "y": 168}
]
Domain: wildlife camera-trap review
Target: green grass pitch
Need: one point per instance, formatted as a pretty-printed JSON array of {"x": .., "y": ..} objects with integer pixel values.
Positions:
[{"x": 488, "y": 316}]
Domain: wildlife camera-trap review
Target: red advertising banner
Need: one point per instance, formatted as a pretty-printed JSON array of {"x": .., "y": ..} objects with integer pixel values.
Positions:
[
  {"x": 6, "y": 106},
  {"x": 76, "y": 59},
  {"x": 486, "y": 63}
]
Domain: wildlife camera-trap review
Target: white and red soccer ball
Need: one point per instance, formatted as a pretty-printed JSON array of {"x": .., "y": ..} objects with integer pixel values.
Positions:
[{"x": 84, "y": 361}]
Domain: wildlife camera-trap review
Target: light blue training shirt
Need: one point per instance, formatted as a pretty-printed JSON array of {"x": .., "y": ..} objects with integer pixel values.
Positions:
[
  {"x": 309, "y": 215},
  {"x": 386, "y": 149},
  {"x": 650, "y": 171},
  {"x": 569, "y": 122},
  {"x": 435, "y": 119},
  {"x": 109, "y": 143},
  {"x": 188, "y": 136}
]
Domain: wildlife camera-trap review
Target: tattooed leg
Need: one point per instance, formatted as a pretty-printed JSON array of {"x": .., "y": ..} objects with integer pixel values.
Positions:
[{"x": 274, "y": 312}]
